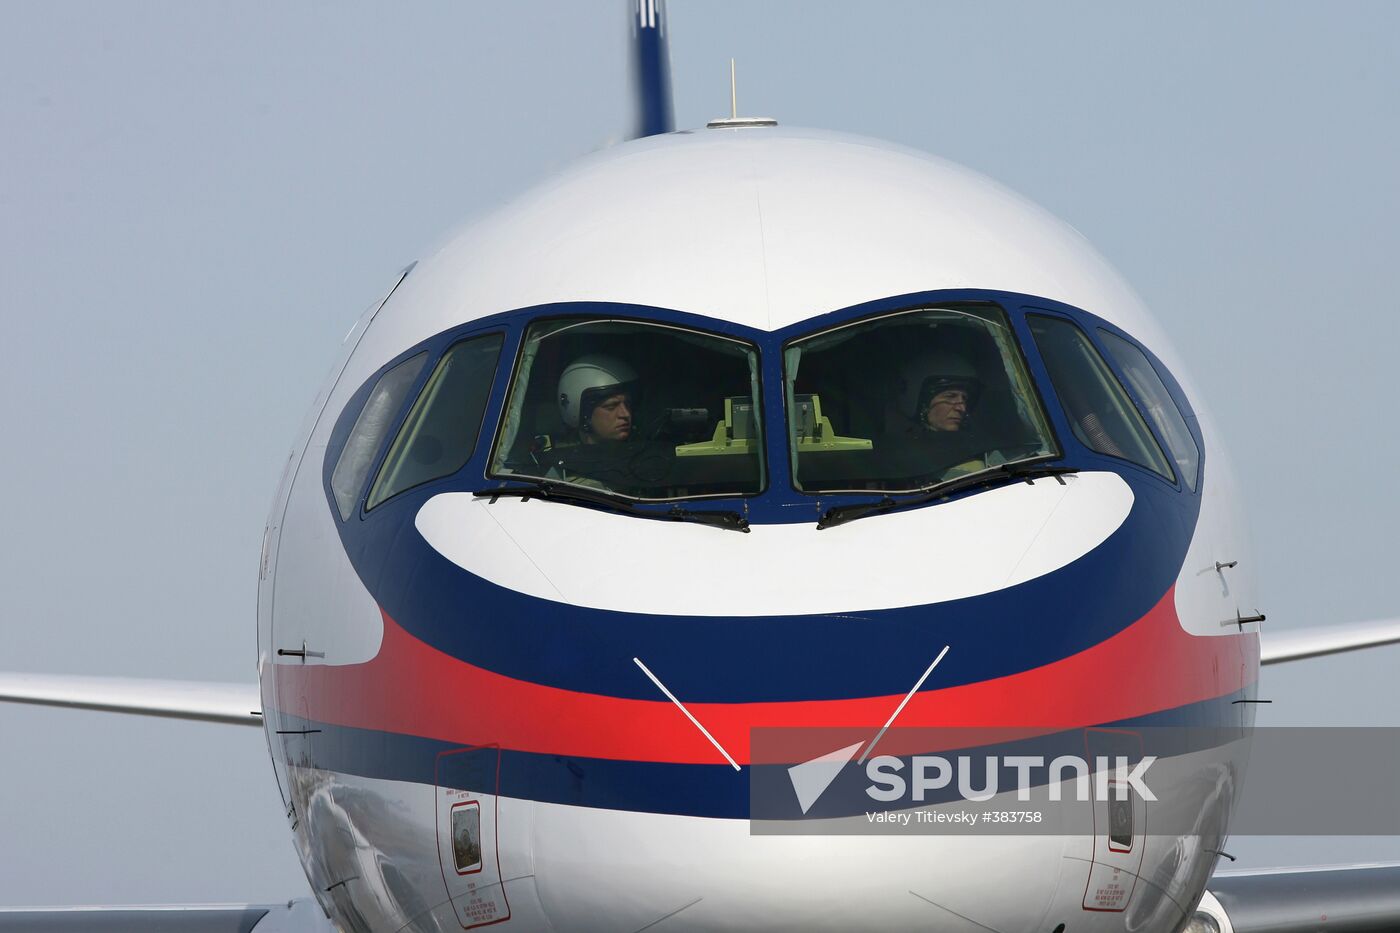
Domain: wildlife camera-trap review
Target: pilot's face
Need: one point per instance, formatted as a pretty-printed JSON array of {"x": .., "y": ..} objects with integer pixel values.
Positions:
[
  {"x": 947, "y": 410},
  {"x": 611, "y": 419}
]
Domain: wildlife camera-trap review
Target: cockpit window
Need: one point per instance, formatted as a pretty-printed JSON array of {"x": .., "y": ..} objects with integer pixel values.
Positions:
[
  {"x": 1161, "y": 408},
  {"x": 373, "y": 423},
  {"x": 908, "y": 400},
  {"x": 639, "y": 409},
  {"x": 439, "y": 435},
  {"x": 1099, "y": 411}
]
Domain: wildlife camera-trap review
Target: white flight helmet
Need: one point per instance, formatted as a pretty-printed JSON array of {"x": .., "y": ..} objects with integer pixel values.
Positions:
[{"x": 587, "y": 381}]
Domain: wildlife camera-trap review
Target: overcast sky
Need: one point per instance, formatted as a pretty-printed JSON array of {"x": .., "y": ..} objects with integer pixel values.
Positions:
[{"x": 197, "y": 200}]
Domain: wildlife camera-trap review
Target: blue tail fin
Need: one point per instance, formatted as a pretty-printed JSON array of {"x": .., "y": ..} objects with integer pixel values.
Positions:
[{"x": 651, "y": 69}]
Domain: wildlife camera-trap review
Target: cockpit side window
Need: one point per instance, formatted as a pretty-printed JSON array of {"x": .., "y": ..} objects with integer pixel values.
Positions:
[
  {"x": 1099, "y": 410},
  {"x": 371, "y": 426},
  {"x": 644, "y": 410},
  {"x": 1161, "y": 408},
  {"x": 908, "y": 400},
  {"x": 439, "y": 435}
]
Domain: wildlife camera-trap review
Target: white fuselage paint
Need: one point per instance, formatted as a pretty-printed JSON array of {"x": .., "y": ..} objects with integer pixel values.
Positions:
[{"x": 965, "y": 548}]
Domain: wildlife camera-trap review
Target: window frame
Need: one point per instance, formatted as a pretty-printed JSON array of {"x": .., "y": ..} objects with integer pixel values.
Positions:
[
  {"x": 1174, "y": 394},
  {"x": 401, "y": 422},
  {"x": 1093, "y": 322},
  {"x": 391, "y": 429},
  {"x": 1028, "y": 363},
  {"x": 778, "y": 500},
  {"x": 506, "y": 390},
  {"x": 434, "y": 348}
]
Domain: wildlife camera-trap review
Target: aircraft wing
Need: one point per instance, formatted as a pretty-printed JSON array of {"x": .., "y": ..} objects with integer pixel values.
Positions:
[
  {"x": 237, "y": 704},
  {"x": 1348, "y": 899},
  {"x": 299, "y": 916},
  {"x": 1331, "y": 639}
]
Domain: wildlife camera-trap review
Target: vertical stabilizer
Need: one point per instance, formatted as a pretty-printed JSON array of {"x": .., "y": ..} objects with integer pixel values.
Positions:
[{"x": 651, "y": 69}]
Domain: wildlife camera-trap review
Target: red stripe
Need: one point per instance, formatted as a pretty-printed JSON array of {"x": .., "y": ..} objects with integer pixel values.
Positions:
[{"x": 411, "y": 688}]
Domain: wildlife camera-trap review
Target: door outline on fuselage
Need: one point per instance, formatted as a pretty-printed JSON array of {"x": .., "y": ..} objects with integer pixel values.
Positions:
[
  {"x": 492, "y": 896},
  {"x": 1108, "y": 859}
]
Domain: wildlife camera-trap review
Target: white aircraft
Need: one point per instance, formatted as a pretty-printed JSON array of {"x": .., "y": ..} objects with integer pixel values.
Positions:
[{"x": 729, "y": 429}]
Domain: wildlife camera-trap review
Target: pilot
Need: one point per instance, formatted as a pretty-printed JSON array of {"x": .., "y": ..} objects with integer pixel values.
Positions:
[
  {"x": 948, "y": 394},
  {"x": 597, "y": 399}
]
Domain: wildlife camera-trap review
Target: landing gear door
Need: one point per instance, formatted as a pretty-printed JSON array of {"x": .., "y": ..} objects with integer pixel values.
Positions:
[
  {"x": 1120, "y": 820},
  {"x": 467, "y": 783}
]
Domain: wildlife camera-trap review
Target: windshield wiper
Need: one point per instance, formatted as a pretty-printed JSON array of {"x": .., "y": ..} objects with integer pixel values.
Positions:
[
  {"x": 840, "y": 514},
  {"x": 581, "y": 495}
]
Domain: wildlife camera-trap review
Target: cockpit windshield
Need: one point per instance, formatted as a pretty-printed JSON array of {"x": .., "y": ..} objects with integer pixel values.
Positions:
[
  {"x": 908, "y": 400},
  {"x": 644, "y": 410}
]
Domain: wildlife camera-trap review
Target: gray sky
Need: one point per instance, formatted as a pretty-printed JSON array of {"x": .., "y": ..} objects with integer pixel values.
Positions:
[{"x": 196, "y": 201}]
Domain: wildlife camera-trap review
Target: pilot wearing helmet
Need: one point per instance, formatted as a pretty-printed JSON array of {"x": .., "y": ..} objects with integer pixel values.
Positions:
[
  {"x": 947, "y": 394},
  {"x": 943, "y": 434},
  {"x": 597, "y": 399}
]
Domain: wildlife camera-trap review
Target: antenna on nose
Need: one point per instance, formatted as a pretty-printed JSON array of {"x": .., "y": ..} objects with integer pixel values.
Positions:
[{"x": 734, "y": 120}]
